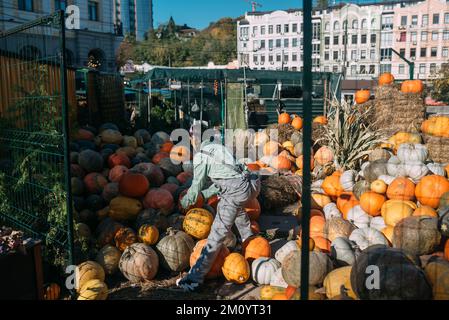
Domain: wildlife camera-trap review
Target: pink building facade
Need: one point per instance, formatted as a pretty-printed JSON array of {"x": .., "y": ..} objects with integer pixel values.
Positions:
[{"x": 421, "y": 34}]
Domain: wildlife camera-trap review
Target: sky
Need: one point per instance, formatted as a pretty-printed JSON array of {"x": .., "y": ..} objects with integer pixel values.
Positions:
[{"x": 199, "y": 13}]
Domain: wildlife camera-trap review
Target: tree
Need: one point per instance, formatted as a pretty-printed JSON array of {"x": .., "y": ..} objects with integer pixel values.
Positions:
[
  {"x": 440, "y": 90},
  {"x": 322, "y": 4},
  {"x": 125, "y": 51}
]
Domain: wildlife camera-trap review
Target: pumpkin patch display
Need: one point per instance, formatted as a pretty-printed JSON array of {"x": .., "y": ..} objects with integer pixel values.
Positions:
[
  {"x": 94, "y": 183},
  {"x": 256, "y": 247},
  {"x": 52, "y": 292},
  {"x": 109, "y": 257},
  {"x": 134, "y": 185},
  {"x": 87, "y": 271},
  {"x": 430, "y": 189},
  {"x": 148, "y": 234},
  {"x": 385, "y": 79},
  {"x": 332, "y": 187},
  {"x": 236, "y": 268},
  {"x": 198, "y": 223},
  {"x": 324, "y": 155},
  {"x": 362, "y": 96},
  {"x": 139, "y": 263},
  {"x": 401, "y": 189},
  {"x": 119, "y": 159},
  {"x": 124, "y": 208},
  {"x": 379, "y": 186},
  {"x": 216, "y": 269},
  {"x": 336, "y": 279},
  {"x": 159, "y": 199},
  {"x": 198, "y": 204},
  {"x": 175, "y": 249},
  {"x": 94, "y": 289},
  {"x": 284, "y": 118},
  {"x": 124, "y": 238},
  {"x": 371, "y": 203},
  {"x": 263, "y": 269},
  {"x": 412, "y": 86},
  {"x": 252, "y": 209}
]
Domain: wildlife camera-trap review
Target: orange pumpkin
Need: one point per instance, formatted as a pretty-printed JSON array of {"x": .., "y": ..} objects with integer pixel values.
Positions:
[
  {"x": 319, "y": 201},
  {"x": 119, "y": 159},
  {"x": 401, "y": 189},
  {"x": 371, "y": 202},
  {"x": 180, "y": 154},
  {"x": 252, "y": 209},
  {"x": 255, "y": 247},
  {"x": 148, "y": 234},
  {"x": 117, "y": 172},
  {"x": 199, "y": 202},
  {"x": 317, "y": 226},
  {"x": 362, "y": 96},
  {"x": 425, "y": 211},
  {"x": 323, "y": 244},
  {"x": 253, "y": 166},
  {"x": 236, "y": 268},
  {"x": 52, "y": 292},
  {"x": 446, "y": 250},
  {"x": 159, "y": 156},
  {"x": 270, "y": 148},
  {"x": 345, "y": 202},
  {"x": 215, "y": 270},
  {"x": 159, "y": 199},
  {"x": 300, "y": 162},
  {"x": 95, "y": 183},
  {"x": 331, "y": 186},
  {"x": 281, "y": 163},
  {"x": 430, "y": 189},
  {"x": 166, "y": 147},
  {"x": 297, "y": 123},
  {"x": 255, "y": 228},
  {"x": 284, "y": 118},
  {"x": 124, "y": 238},
  {"x": 412, "y": 86},
  {"x": 324, "y": 155},
  {"x": 134, "y": 185},
  {"x": 385, "y": 79},
  {"x": 320, "y": 120}
]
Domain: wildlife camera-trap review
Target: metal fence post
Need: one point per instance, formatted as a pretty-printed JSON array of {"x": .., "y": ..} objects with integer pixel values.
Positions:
[
  {"x": 66, "y": 139},
  {"x": 307, "y": 135}
]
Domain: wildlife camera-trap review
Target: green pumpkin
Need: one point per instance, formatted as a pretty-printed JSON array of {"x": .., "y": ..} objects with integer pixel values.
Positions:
[{"x": 444, "y": 201}]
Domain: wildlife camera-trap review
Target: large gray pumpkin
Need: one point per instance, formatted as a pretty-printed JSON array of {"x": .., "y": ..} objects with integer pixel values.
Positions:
[
  {"x": 360, "y": 188},
  {"x": 263, "y": 269},
  {"x": 319, "y": 266},
  {"x": 109, "y": 257},
  {"x": 175, "y": 250},
  {"x": 139, "y": 263},
  {"x": 375, "y": 169},
  {"x": 391, "y": 275},
  {"x": 91, "y": 161},
  {"x": 417, "y": 235},
  {"x": 337, "y": 227},
  {"x": 343, "y": 251},
  {"x": 169, "y": 168},
  {"x": 151, "y": 171}
]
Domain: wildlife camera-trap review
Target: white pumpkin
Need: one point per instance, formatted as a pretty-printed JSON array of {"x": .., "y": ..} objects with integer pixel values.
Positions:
[
  {"x": 377, "y": 223},
  {"x": 358, "y": 217},
  {"x": 437, "y": 169},
  {"x": 395, "y": 167},
  {"x": 386, "y": 178},
  {"x": 409, "y": 152},
  {"x": 285, "y": 250},
  {"x": 366, "y": 237},
  {"x": 347, "y": 179},
  {"x": 277, "y": 280},
  {"x": 364, "y": 165},
  {"x": 316, "y": 186},
  {"x": 343, "y": 251},
  {"x": 415, "y": 170},
  {"x": 263, "y": 269},
  {"x": 330, "y": 210}
]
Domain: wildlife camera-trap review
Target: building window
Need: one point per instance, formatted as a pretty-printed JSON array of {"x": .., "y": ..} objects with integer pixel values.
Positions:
[
  {"x": 402, "y": 52},
  {"x": 387, "y": 23},
  {"x": 362, "y": 54},
  {"x": 424, "y": 36},
  {"x": 270, "y": 29},
  {"x": 387, "y": 39},
  {"x": 354, "y": 39},
  {"x": 294, "y": 57},
  {"x": 336, "y": 40},
  {"x": 446, "y": 18},
  {"x": 278, "y": 28},
  {"x": 294, "y": 42},
  {"x": 345, "y": 25},
  {"x": 364, "y": 26},
  {"x": 255, "y": 58},
  {"x": 403, "y": 37},
  {"x": 336, "y": 26},
  {"x": 60, "y": 5},
  {"x": 434, "y": 35},
  {"x": 414, "y": 20},
  {"x": 262, "y": 44},
  {"x": 372, "y": 54},
  {"x": 255, "y": 29},
  {"x": 373, "y": 38},
  {"x": 270, "y": 58},
  {"x": 326, "y": 26},
  {"x": 373, "y": 23},
  {"x": 414, "y": 37},
  {"x": 262, "y": 30},
  {"x": 295, "y": 27},
  {"x": 286, "y": 28},
  {"x": 385, "y": 68},
  {"x": 26, "y": 5},
  {"x": 344, "y": 39},
  {"x": 355, "y": 24},
  {"x": 326, "y": 55},
  {"x": 327, "y": 40},
  {"x": 354, "y": 55},
  {"x": 422, "y": 68},
  {"x": 335, "y": 55},
  {"x": 286, "y": 43},
  {"x": 316, "y": 48},
  {"x": 425, "y": 19},
  {"x": 385, "y": 54},
  {"x": 316, "y": 31},
  {"x": 256, "y": 44},
  {"x": 423, "y": 52},
  {"x": 372, "y": 69},
  {"x": 262, "y": 59},
  {"x": 433, "y": 68},
  {"x": 433, "y": 52},
  {"x": 93, "y": 10},
  {"x": 285, "y": 57},
  {"x": 278, "y": 43},
  {"x": 401, "y": 69},
  {"x": 363, "y": 39},
  {"x": 403, "y": 20},
  {"x": 436, "y": 18},
  {"x": 446, "y": 35},
  {"x": 354, "y": 70},
  {"x": 445, "y": 52},
  {"x": 270, "y": 44},
  {"x": 362, "y": 69},
  {"x": 334, "y": 69},
  {"x": 278, "y": 57},
  {"x": 412, "y": 52}
]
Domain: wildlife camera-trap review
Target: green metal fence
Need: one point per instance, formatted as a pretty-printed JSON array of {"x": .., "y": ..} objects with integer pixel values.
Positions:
[{"x": 34, "y": 123}]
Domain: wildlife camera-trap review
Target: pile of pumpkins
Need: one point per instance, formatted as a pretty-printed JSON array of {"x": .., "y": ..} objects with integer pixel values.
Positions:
[
  {"x": 388, "y": 214},
  {"x": 126, "y": 192},
  {"x": 437, "y": 126}
]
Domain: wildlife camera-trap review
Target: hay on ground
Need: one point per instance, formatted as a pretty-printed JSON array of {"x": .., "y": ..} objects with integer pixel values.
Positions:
[{"x": 438, "y": 148}]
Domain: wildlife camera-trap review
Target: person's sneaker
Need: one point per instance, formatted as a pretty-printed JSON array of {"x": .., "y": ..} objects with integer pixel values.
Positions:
[{"x": 188, "y": 285}]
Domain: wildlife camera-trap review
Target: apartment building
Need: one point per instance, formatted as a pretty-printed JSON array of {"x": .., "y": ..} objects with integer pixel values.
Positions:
[
  {"x": 134, "y": 17},
  {"x": 357, "y": 40},
  {"x": 96, "y": 40}
]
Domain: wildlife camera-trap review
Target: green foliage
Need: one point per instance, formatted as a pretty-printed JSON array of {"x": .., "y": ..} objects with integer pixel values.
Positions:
[
  {"x": 216, "y": 43},
  {"x": 440, "y": 90}
]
